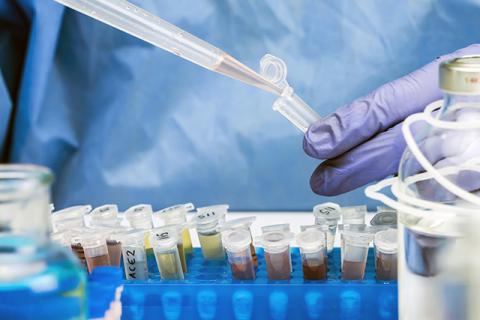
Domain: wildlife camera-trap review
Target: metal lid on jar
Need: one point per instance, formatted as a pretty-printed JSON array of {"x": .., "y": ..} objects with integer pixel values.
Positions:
[{"x": 461, "y": 75}]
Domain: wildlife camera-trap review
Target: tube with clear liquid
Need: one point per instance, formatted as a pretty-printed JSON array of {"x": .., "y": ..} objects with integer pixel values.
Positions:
[{"x": 144, "y": 25}]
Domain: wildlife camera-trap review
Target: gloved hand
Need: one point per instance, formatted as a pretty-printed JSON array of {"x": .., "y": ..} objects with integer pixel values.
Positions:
[{"x": 362, "y": 141}]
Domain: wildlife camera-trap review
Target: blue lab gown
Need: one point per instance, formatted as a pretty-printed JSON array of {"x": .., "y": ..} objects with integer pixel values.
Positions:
[{"x": 119, "y": 121}]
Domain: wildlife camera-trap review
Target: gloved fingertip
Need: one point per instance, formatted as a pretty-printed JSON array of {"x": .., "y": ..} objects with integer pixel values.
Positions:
[
  {"x": 321, "y": 184},
  {"x": 314, "y": 144}
]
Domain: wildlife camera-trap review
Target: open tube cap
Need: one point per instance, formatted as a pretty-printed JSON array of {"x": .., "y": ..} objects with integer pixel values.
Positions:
[
  {"x": 386, "y": 241},
  {"x": 164, "y": 238},
  {"x": 105, "y": 212},
  {"x": 236, "y": 240},
  {"x": 283, "y": 227},
  {"x": 311, "y": 240},
  {"x": 71, "y": 212},
  {"x": 384, "y": 218},
  {"x": 174, "y": 214},
  {"x": 275, "y": 241},
  {"x": 238, "y": 223},
  {"x": 354, "y": 215}
]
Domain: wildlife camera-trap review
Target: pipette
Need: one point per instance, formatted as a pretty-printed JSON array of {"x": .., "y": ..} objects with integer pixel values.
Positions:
[{"x": 144, "y": 25}]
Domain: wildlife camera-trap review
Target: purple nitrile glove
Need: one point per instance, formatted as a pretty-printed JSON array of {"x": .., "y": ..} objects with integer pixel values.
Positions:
[{"x": 362, "y": 141}]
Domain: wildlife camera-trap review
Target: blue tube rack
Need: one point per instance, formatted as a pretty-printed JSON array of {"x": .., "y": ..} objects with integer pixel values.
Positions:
[{"x": 209, "y": 292}]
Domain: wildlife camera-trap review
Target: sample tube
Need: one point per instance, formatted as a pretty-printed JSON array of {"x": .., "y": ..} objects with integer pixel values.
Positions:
[
  {"x": 355, "y": 254},
  {"x": 134, "y": 256},
  {"x": 281, "y": 227},
  {"x": 237, "y": 243},
  {"x": 207, "y": 222},
  {"x": 76, "y": 245},
  {"x": 314, "y": 254},
  {"x": 328, "y": 214},
  {"x": 354, "y": 215},
  {"x": 95, "y": 249},
  {"x": 168, "y": 259},
  {"x": 276, "y": 245},
  {"x": 350, "y": 228},
  {"x": 386, "y": 254},
  {"x": 243, "y": 223},
  {"x": 173, "y": 231},
  {"x": 176, "y": 215},
  {"x": 114, "y": 247},
  {"x": 140, "y": 218}
]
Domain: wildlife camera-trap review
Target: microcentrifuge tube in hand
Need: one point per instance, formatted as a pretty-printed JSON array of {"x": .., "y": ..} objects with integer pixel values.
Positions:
[{"x": 288, "y": 104}]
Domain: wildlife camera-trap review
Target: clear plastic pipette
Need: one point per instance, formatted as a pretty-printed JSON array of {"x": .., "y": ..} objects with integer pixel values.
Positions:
[{"x": 142, "y": 24}]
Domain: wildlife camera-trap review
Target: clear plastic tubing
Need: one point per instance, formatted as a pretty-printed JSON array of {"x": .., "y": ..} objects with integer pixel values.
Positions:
[
  {"x": 95, "y": 249},
  {"x": 237, "y": 243},
  {"x": 314, "y": 254},
  {"x": 134, "y": 256},
  {"x": 142, "y": 24},
  {"x": 385, "y": 243},
  {"x": 178, "y": 215},
  {"x": 168, "y": 258},
  {"x": 355, "y": 254},
  {"x": 276, "y": 245},
  {"x": 329, "y": 214}
]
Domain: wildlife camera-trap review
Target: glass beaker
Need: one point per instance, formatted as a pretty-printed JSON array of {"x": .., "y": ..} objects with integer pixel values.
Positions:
[{"x": 28, "y": 257}]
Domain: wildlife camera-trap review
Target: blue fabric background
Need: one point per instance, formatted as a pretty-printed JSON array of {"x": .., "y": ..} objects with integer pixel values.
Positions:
[{"x": 121, "y": 121}]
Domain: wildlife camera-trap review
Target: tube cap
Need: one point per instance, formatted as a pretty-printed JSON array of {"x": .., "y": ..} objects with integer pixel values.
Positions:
[
  {"x": 354, "y": 215},
  {"x": 71, "y": 213},
  {"x": 276, "y": 227},
  {"x": 104, "y": 213},
  {"x": 164, "y": 239},
  {"x": 275, "y": 240},
  {"x": 327, "y": 211},
  {"x": 238, "y": 223},
  {"x": 311, "y": 240},
  {"x": 174, "y": 214},
  {"x": 236, "y": 240},
  {"x": 386, "y": 241},
  {"x": 461, "y": 75},
  {"x": 140, "y": 216}
]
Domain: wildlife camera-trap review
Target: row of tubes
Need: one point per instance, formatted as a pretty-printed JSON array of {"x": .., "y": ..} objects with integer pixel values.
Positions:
[{"x": 160, "y": 242}]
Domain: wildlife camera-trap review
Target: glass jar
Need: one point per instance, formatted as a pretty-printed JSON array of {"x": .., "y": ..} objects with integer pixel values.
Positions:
[
  {"x": 439, "y": 181},
  {"x": 37, "y": 277}
]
